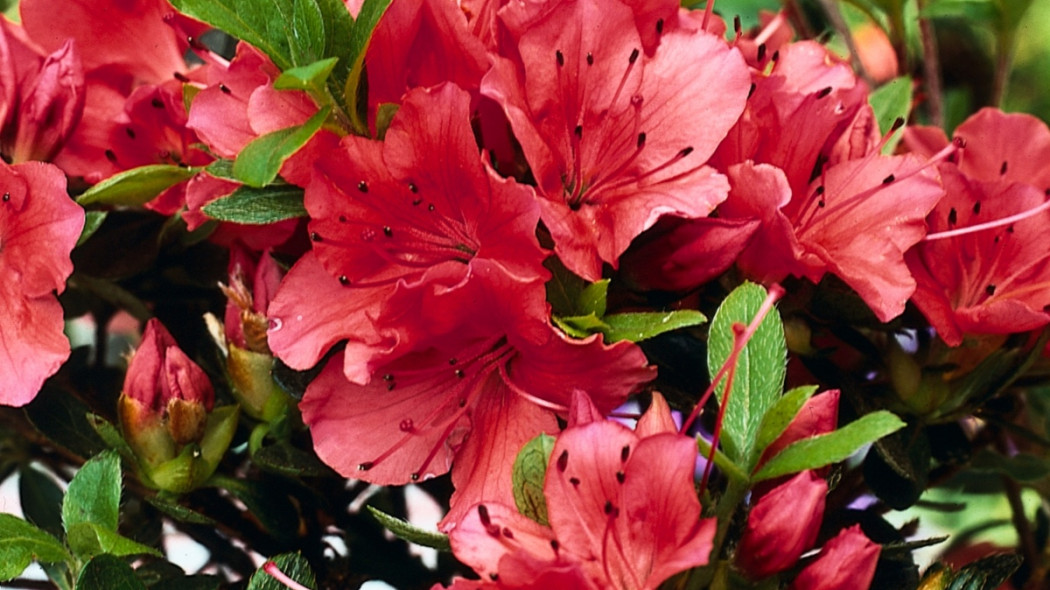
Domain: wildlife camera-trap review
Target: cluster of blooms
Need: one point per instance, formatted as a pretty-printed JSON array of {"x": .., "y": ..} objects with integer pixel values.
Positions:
[{"x": 617, "y": 138}]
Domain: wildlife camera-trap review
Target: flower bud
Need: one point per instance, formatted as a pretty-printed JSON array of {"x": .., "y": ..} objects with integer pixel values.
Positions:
[
  {"x": 782, "y": 525},
  {"x": 846, "y": 562},
  {"x": 51, "y": 106},
  {"x": 166, "y": 416},
  {"x": 249, "y": 361}
]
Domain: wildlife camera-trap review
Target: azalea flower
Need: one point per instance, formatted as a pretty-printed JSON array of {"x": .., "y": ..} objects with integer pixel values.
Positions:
[
  {"x": 487, "y": 372},
  {"x": 845, "y": 562},
  {"x": 41, "y": 96},
  {"x": 782, "y": 525},
  {"x": 34, "y": 210},
  {"x": 389, "y": 215},
  {"x": 615, "y": 138},
  {"x": 984, "y": 270},
  {"x": 622, "y": 509},
  {"x": 804, "y": 160}
]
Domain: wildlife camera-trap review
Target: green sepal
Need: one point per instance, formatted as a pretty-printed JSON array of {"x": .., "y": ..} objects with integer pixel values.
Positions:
[{"x": 108, "y": 572}]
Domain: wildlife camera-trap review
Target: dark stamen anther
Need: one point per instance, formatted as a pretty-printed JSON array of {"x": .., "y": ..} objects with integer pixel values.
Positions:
[
  {"x": 362, "y": 186},
  {"x": 365, "y": 466},
  {"x": 953, "y": 216},
  {"x": 634, "y": 56},
  {"x": 641, "y": 140},
  {"x": 1002, "y": 169},
  {"x": 976, "y": 207},
  {"x": 157, "y": 103},
  {"x": 761, "y": 52},
  {"x": 315, "y": 236},
  {"x": 824, "y": 92},
  {"x": 387, "y": 231},
  {"x": 889, "y": 179},
  {"x": 990, "y": 290},
  {"x": 224, "y": 89},
  {"x": 563, "y": 461},
  {"x": 559, "y": 57},
  {"x": 659, "y": 26},
  {"x": 590, "y": 59},
  {"x": 344, "y": 280},
  {"x": 625, "y": 452}
]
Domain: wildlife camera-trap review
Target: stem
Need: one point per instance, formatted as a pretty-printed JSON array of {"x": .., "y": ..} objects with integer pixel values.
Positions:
[
  {"x": 831, "y": 8},
  {"x": 931, "y": 65}
]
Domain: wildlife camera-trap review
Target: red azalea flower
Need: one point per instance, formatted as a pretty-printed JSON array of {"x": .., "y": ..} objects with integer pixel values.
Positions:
[
  {"x": 982, "y": 270},
  {"x": 782, "y": 525},
  {"x": 846, "y": 562},
  {"x": 391, "y": 211},
  {"x": 622, "y": 509},
  {"x": 484, "y": 373},
  {"x": 42, "y": 96},
  {"x": 389, "y": 215},
  {"x": 856, "y": 220},
  {"x": 34, "y": 210},
  {"x": 985, "y": 282},
  {"x": 615, "y": 139},
  {"x": 422, "y": 43},
  {"x": 135, "y": 37}
]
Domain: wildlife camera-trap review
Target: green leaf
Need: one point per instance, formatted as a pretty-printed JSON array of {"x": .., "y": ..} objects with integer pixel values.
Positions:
[
  {"x": 580, "y": 326},
  {"x": 111, "y": 435},
  {"x": 311, "y": 77},
  {"x": 308, "y": 32},
  {"x": 891, "y": 101},
  {"x": 221, "y": 168},
  {"x": 269, "y": 504},
  {"x": 360, "y": 37},
  {"x": 760, "y": 367},
  {"x": 564, "y": 290},
  {"x": 259, "y": 162},
  {"x": 135, "y": 187},
  {"x": 60, "y": 416},
  {"x": 409, "y": 532},
  {"x": 1023, "y": 467},
  {"x": 41, "y": 499},
  {"x": 776, "y": 420},
  {"x": 22, "y": 543},
  {"x": 108, "y": 572},
  {"x": 973, "y": 10},
  {"x": 292, "y": 565},
  {"x": 258, "y": 206},
  {"x": 528, "y": 475},
  {"x": 638, "y": 326},
  {"x": 94, "y": 494},
  {"x": 169, "y": 504},
  {"x": 88, "y": 539},
  {"x": 92, "y": 221},
  {"x": 384, "y": 117},
  {"x": 263, "y": 23},
  {"x": 987, "y": 573},
  {"x": 825, "y": 449},
  {"x": 290, "y": 461}
]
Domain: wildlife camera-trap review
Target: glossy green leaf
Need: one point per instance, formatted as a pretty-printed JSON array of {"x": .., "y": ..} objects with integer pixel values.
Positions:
[
  {"x": 311, "y": 77},
  {"x": 777, "y": 419},
  {"x": 892, "y": 101},
  {"x": 258, "y": 206},
  {"x": 987, "y": 573},
  {"x": 290, "y": 461},
  {"x": 760, "y": 367},
  {"x": 564, "y": 290},
  {"x": 825, "y": 449},
  {"x": 292, "y": 565},
  {"x": 528, "y": 475},
  {"x": 409, "y": 532},
  {"x": 1023, "y": 467},
  {"x": 307, "y": 40},
  {"x": 263, "y": 23},
  {"x": 93, "y": 495},
  {"x": 360, "y": 37},
  {"x": 269, "y": 504},
  {"x": 22, "y": 543},
  {"x": 87, "y": 539},
  {"x": 259, "y": 162},
  {"x": 168, "y": 504},
  {"x": 60, "y": 416},
  {"x": 638, "y": 326},
  {"x": 108, "y": 572},
  {"x": 92, "y": 221},
  {"x": 135, "y": 187},
  {"x": 581, "y": 326},
  {"x": 221, "y": 168},
  {"x": 41, "y": 499}
]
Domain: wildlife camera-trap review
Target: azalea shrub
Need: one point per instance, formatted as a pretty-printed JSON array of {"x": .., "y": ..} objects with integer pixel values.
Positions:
[{"x": 522, "y": 294}]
